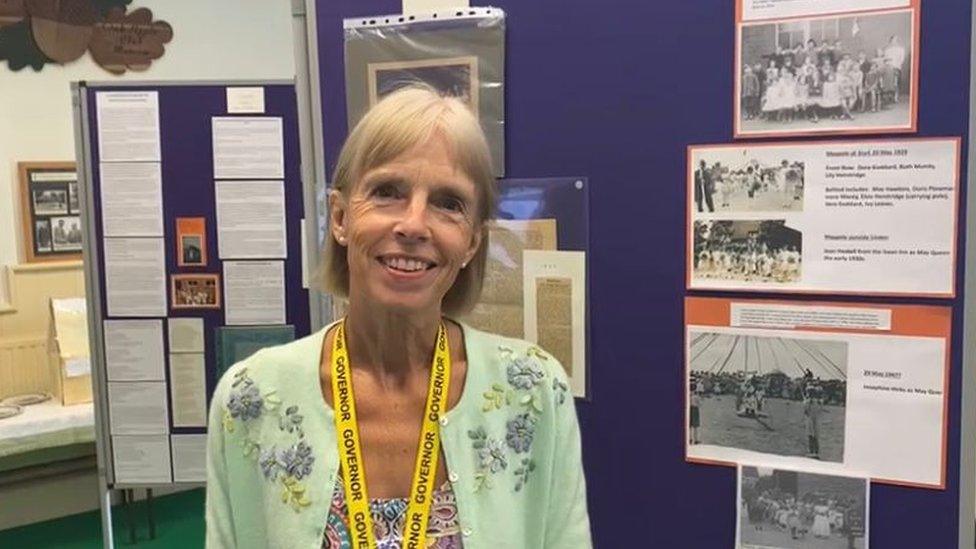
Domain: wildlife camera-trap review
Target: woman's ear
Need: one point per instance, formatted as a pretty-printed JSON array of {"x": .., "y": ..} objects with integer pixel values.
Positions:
[
  {"x": 476, "y": 238},
  {"x": 337, "y": 216}
]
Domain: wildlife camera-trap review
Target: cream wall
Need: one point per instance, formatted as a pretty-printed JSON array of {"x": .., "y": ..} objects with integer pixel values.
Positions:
[{"x": 213, "y": 39}]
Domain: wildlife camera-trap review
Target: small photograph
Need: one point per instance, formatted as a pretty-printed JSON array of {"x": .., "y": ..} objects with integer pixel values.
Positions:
[
  {"x": 191, "y": 241},
  {"x": 191, "y": 250},
  {"x": 196, "y": 291},
  {"x": 455, "y": 77},
  {"x": 73, "y": 206},
  {"x": 50, "y": 202},
  {"x": 775, "y": 395},
  {"x": 794, "y": 510},
  {"x": 761, "y": 251},
  {"x": 732, "y": 180},
  {"x": 827, "y": 74},
  {"x": 42, "y": 236},
  {"x": 66, "y": 233}
]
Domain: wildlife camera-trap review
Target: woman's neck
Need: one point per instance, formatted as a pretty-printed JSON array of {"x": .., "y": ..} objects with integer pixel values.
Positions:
[{"x": 390, "y": 345}]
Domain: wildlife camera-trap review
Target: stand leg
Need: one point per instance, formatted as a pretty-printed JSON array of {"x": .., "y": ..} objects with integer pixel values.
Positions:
[
  {"x": 127, "y": 501},
  {"x": 149, "y": 512}
]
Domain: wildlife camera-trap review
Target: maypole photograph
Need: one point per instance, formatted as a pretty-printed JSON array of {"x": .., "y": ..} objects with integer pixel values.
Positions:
[{"x": 775, "y": 395}]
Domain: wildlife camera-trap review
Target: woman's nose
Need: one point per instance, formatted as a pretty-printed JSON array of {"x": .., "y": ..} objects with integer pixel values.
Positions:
[{"x": 413, "y": 223}]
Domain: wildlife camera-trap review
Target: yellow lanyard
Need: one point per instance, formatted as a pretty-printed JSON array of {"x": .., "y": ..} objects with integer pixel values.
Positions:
[{"x": 351, "y": 451}]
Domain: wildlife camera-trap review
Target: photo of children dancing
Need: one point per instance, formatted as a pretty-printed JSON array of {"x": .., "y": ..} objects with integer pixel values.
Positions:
[
  {"x": 749, "y": 180},
  {"x": 750, "y": 251},
  {"x": 773, "y": 395},
  {"x": 790, "y": 509},
  {"x": 825, "y": 74}
]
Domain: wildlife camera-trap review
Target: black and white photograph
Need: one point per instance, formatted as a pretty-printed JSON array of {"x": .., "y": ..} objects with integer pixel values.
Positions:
[
  {"x": 73, "y": 206},
  {"x": 50, "y": 201},
  {"x": 732, "y": 180},
  {"x": 454, "y": 77},
  {"x": 42, "y": 236},
  {"x": 779, "y": 508},
  {"x": 827, "y": 74},
  {"x": 758, "y": 251},
  {"x": 195, "y": 291},
  {"x": 774, "y": 395},
  {"x": 66, "y": 233},
  {"x": 191, "y": 250}
]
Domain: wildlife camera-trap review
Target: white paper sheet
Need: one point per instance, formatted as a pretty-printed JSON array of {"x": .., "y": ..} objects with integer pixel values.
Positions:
[
  {"x": 563, "y": 269},
  {"x": 769, "y": 9},
  {"x": 188, "y": 389},
  {"x": 128, "y": 126},
  {"x": 135, "y": 277},
  {"x": 134, "y": 350},
  {"x": 838, "y": 217},
  {"x": 141, "y": 459},
  {"x": 891, "y": 425},
  {"x": 245, "y": 100},
  {"x": 254, "y": 292},
  {"x": 189, "y": 458},
  {"x": 186, "y": 335},
  {"x": 132, "y": 198},
  {"x": 251, "y": 219},
  {"x": 138, "y": 407},
  {"x": 248, "y": 147}
]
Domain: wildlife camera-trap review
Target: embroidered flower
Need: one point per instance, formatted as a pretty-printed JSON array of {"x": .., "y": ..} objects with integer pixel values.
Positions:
[
  {"x": 297, "y": 461},
  {"x": 492, "y": 456},
  {"x": 524, "y": 373},
  {"x": 283, "y": 467},
  {"x": 560, "y": 389},
  {"x": 269, "y": 463},
  {"x": 245, "y": 403},
  {"x": 523, "y": 472},
  {"x": 519, "y": 433},
  {"x": 291, "y": 421}
]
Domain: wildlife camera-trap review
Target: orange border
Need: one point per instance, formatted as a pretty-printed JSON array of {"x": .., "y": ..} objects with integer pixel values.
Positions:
[
  {"x": 191, "y": 226},
  {"x": 689, "y": 214},
  {"x": 172, "y": 290},
  {"x": 737, "y": 66},
  {"x": 910, "y": 4},
  {"x": 906, "y": 320}
]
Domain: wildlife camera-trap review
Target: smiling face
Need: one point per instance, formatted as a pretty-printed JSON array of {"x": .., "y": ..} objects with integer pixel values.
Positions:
[{"x": 409, "y": 226}]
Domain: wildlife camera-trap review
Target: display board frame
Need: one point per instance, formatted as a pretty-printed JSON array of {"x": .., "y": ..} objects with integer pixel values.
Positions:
[
  {"x": 630, "y": 141},
  {"x": 281, "y": 101}
]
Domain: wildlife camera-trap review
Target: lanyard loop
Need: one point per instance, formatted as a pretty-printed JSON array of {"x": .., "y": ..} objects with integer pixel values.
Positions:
[{"x": 351, "y": 452}]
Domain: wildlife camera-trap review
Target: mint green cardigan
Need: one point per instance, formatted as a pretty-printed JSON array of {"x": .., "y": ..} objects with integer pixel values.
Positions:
[{"x": 512, "y": 446}]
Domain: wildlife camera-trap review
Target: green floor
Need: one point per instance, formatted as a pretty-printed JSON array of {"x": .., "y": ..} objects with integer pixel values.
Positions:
[{"x": 179, "y": 523}]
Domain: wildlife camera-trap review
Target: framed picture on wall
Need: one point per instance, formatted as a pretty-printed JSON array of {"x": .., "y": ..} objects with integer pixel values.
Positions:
[
  {"x": 455, "y": 77},
  {"x": 50, "y": 211}
]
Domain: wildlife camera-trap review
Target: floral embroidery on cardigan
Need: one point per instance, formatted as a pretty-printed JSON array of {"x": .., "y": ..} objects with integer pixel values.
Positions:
[
  {"x": 525, "y": 375},
  {"x": 287, "y": 466}
]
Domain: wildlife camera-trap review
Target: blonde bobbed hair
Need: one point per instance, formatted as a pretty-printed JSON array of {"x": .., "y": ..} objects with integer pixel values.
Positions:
[{"x": 399, "y": 122}]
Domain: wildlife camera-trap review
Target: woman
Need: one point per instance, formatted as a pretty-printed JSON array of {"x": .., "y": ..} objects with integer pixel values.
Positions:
[{"x": 399, "y": 426}]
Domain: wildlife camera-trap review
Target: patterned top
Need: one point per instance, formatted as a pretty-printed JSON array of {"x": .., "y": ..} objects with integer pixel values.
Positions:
[{"x": 389, "y": 518}]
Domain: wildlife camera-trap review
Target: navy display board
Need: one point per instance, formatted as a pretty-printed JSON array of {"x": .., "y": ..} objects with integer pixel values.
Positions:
[
  {"x": 616, "y": 90},
  {"x": 186, "y": 143}
]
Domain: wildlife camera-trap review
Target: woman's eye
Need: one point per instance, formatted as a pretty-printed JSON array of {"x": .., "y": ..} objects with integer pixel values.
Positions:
[
  {"x": 450, "y": 204},
  {"x": 385, "y": 190}
]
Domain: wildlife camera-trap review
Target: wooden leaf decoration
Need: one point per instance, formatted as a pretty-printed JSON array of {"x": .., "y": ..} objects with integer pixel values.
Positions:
[
  {"x": 62, "y": 28},
  {"x": 129, "y": 41},
  {"x": 11, "y": 11},
  {"x": 18, "y": 47}
]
